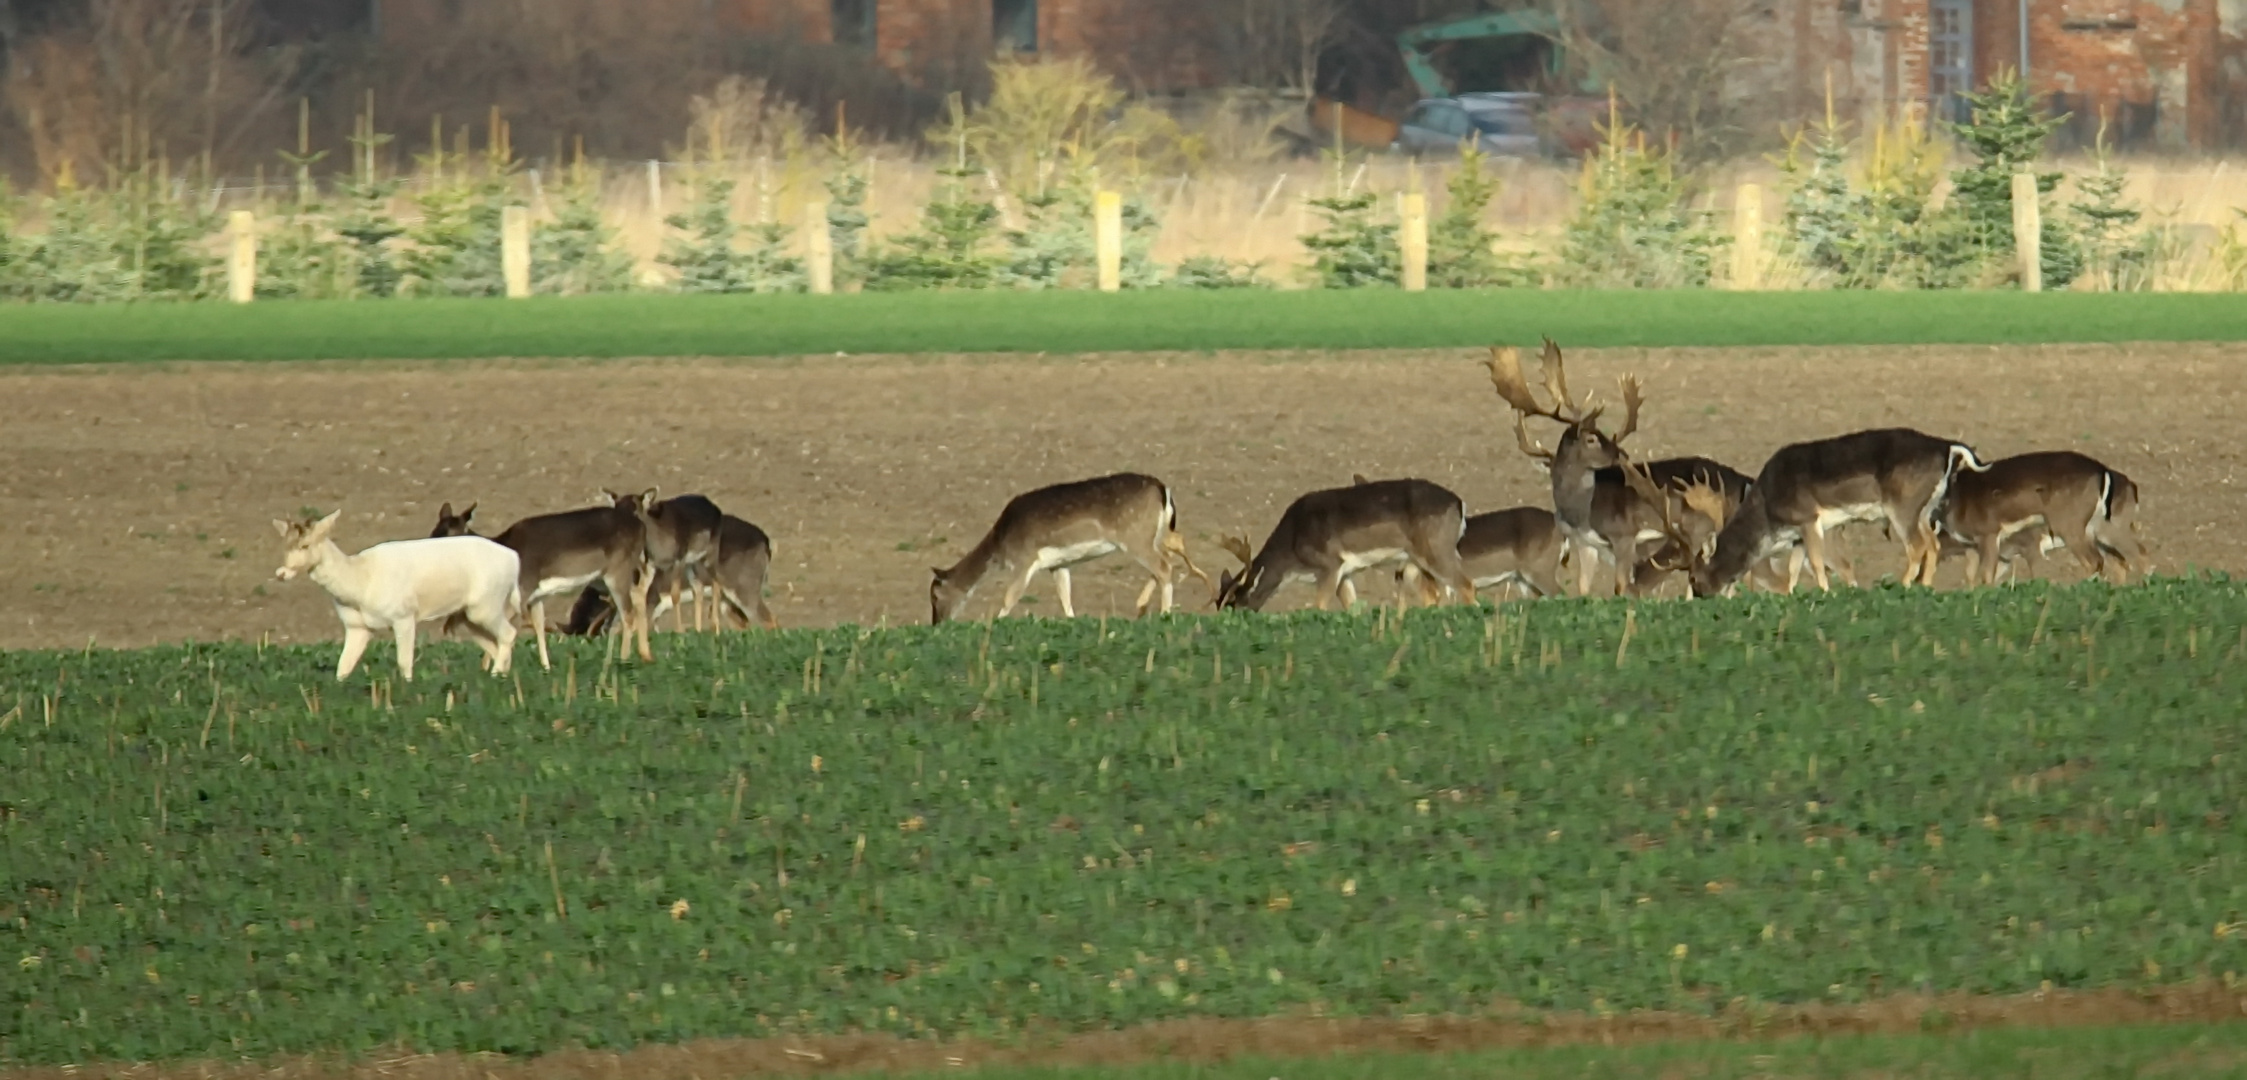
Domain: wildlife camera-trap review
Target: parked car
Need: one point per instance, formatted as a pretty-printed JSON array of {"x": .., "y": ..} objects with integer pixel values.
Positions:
[{"x": 1504, "y": 124}]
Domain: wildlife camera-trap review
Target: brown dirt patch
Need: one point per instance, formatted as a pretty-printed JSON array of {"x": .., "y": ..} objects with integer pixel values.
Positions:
[
  {"x": 1205, "y": 1041},
  {"x": 134, "y": 501}
]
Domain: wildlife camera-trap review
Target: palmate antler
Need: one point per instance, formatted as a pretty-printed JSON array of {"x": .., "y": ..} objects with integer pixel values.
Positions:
[
  {"x": 1653, "y": 494},
  {"x": 1174, "y": 546},
  {"x": 1506, "y": 378},
  {"x": 1238, "y": 546}
]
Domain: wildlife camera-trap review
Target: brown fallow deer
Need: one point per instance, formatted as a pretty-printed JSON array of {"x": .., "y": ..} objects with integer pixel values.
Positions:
[
  {"x": 1893, "y": 475},
  {"x": 1600, "y": 517},
  {"x": 1325, "y": 536},
  {"x": 2075, "y": 501},
  {"x": 737, "y": 580},
  {"x": 1060, "y": 526},
  {"x": 564, "y": 552},
  {"x": 1518, "y": 548},
  {"x": 682, "y": 547}
]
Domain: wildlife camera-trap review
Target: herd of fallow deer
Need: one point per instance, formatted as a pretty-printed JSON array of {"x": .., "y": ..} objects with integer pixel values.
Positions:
[{"x": 1646, "y": 520}]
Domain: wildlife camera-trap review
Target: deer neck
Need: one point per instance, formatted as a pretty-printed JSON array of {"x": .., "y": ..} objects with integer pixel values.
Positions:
[
  {"x": 989, "y": 554},
  {"x": 1574, "y": 484},
  {"x": 1743, "y": 540},
  {"x": 1268, "y": 577},
  {"x": 343, "y": 576}
]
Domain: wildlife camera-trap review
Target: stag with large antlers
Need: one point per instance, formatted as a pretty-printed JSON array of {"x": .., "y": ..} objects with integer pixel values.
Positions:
[{"x": 1603, "y": 518}]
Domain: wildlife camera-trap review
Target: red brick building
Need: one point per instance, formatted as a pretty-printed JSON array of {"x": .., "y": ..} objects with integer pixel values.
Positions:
[
  {"x": 1133, "y": 38},
  {"x": 2167, "y": 74}
]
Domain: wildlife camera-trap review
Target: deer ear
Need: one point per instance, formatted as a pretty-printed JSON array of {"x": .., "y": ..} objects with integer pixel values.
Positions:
[
  {"x": 445, "y": 511},
  {"x": 282, "y": 527},
  {"x": 321, "y": 528},
  {"x": 468, "y": 512}
]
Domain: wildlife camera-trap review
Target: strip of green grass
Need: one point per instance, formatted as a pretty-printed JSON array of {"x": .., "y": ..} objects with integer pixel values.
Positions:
[
  {"x": 2182, "y": 1051},
  {"x": 1077, "y": 322},
  {"x": 217, "y": 850}
]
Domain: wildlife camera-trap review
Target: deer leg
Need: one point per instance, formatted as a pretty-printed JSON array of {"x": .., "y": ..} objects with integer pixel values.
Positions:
[
  {"x": 635, "y": 598},
  {"x": 1014, "y": 591},
  {"x": 1345, "y": 590},
  {"x": 355, "y": 638},
  {"x": 502, "y": 630},
  {"x": 403, "y": 631},
  {"x": 1930, "y": 553},
  {"x": 1061, "y": 590},
  {"x": 1814, "y": 549},
  {"x": 538, "y": 628},
  {"x": 1146, "y": 597}
]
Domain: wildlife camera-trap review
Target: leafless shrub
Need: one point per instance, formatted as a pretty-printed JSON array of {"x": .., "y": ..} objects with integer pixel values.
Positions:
[
  {"x": 136, "y": 79},
  {"x": 1673, "y": 63}
]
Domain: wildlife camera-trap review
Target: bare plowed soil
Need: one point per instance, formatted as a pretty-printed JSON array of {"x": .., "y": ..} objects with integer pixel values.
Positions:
[
  {"x": 1212, "y": 1040},
  {"x": 134, "y": 502}
]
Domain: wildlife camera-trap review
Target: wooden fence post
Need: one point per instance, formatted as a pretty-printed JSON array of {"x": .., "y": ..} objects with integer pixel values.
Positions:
[
  {"x": 2028, "y": 232},
  {"x": 655, "y": 189},
  {"x": 515, "y": 250},
  {"x": 819, "y": 249},
  {"x": 1412, "y": 240},
  {"x": 1107, "y": 238},
  {"x": 241, "y": 262},
  {"x": 1747, "y": 237}
]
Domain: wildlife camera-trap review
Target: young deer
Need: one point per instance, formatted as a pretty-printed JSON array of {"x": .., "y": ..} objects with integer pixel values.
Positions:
[
  {"x": 1326, "y": 536},
  {"x": 737, "y": 580},
  {"x": 1601, "y": 517},
  {"x": 683, "y": 544},
  {"x": 2076, "y": 501},
  {"x": 1518, "y": 547},
  {"x": 1894, "y": 475},
  {"x": 567, "y": 551},
  {"x": 397, "y": 585},
  {"x": 1057, "y": 527}
]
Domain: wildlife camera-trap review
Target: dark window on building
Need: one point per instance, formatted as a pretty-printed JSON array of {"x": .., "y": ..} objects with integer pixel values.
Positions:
[
  {"x": 1014, "y": 25},
  {"x": 1950, "y": 56},
  {"x": 852, "y": 22}
]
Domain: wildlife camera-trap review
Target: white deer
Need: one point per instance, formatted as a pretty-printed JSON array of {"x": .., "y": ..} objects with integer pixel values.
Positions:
[{"x": 397, "y": 585}]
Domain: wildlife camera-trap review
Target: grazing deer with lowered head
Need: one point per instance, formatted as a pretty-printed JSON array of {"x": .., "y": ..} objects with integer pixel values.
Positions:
[
  {"x": 564, "y": 552},
  {"x": 682, "y": 542},
  {"x": 737, "y": 582},
  {"x": 2076, "y": 501},
  {"x": 1514, "y": 548},
  {"x": 1325, "y": 536},
  {"x": 1600, "y": 516},
  {"x": 1893, "y": 475},
  {"x": 1057, "y": 527},
  {"x": 397, "y": 585}
]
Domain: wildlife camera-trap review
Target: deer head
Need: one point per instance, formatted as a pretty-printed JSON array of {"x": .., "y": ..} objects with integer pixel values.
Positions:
[
  {"x": 1233, "y": 590},
  {"x": 944, "y": 595},
  {"x": 306, "y": 542},
  {"x": 452, "y": 524},
  {"x": 1582, "y": 444},
  {"x": 1681, "y": 552}
]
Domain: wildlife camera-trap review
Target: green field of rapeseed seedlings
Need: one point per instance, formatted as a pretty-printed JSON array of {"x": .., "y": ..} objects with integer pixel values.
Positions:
[{"x": 1597, "y": 806}]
